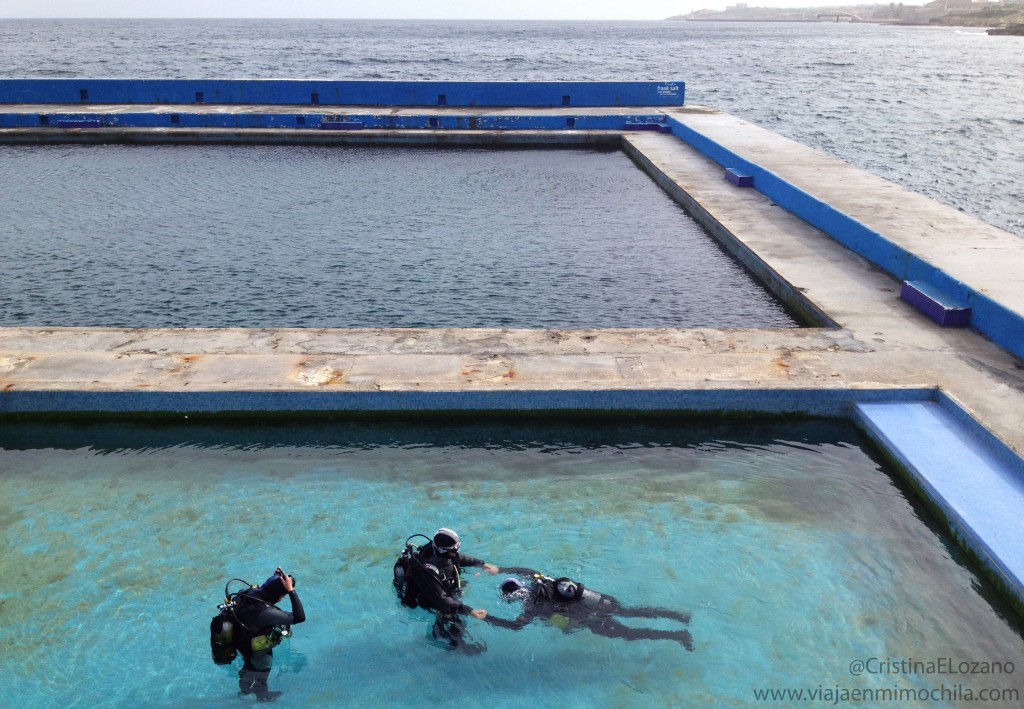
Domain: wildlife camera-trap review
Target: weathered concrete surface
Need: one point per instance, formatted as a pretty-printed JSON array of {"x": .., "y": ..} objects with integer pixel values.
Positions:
[{"x": 881, "y": 342}]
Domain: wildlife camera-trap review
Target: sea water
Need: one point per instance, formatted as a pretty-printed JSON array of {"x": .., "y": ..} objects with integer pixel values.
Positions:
[
  {"x": 937, "y": 109},
  {"x": 794, "y": 550}
]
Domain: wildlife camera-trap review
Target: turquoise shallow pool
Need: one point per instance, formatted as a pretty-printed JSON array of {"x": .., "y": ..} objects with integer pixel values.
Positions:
[{"x": 795, "y": 552}]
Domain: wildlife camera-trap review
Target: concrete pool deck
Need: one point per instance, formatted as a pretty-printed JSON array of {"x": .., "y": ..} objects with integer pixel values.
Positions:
[{"x": 874, "y": 347}]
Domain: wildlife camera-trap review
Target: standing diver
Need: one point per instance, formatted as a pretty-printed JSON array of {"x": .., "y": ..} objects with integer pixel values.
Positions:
[
  {"x": 430, "y": 576},
  {"x": 252, "y": 624},
  {"x": 568, "y": 605}
]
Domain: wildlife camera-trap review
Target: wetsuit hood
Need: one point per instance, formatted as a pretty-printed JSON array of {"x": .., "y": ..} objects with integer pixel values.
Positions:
[
  {"x": 512, "y": 588},
  {"x": 446, "y": 543},
  {"x": 272, "y": 589}
]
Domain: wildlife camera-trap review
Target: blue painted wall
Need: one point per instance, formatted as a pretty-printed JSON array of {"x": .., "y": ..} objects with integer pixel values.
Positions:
[
  {"x": 1003, "y": 325},
  {"x": 345, "y": 93},
  {"x": 187, "y": 119}
]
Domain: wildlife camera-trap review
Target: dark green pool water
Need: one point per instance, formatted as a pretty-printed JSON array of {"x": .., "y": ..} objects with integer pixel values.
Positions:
[{"x": 289, "y": 236}]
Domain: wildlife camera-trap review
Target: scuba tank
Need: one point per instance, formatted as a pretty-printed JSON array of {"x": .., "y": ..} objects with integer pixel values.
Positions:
[
  {"x": 222, "y": 637},
  {"x": 222, "y": 629},
  {"x": 408, "y": 561}
]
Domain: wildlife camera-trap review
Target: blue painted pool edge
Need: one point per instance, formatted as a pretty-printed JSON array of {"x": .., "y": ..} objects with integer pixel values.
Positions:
[
  {"x": 317, "y": 92},
  {"x": 964, "y": 477},
  {"x": 1004, "y": 326}
]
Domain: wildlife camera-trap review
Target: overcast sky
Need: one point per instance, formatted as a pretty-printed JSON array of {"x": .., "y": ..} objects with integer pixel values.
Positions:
[{"x": 392, "y": 9}]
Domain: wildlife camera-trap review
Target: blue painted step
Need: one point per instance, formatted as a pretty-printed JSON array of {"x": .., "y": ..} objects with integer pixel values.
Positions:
[
  {"x": 740, "y": 179},
  {"x": 979, "y": 488},
  {"x": 341, "y": 125},
  {"x": 940, "y": 306}
]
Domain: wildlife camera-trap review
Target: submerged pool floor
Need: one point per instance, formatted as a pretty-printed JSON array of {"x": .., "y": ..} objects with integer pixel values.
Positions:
[
  {"x": 795, "y": 552},
  {"x": 294, "y": 236}
]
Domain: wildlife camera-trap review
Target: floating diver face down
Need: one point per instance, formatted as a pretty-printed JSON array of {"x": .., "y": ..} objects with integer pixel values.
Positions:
[
  {"x": 447, "y": 542},
  {"x": 512, "y": 589}
]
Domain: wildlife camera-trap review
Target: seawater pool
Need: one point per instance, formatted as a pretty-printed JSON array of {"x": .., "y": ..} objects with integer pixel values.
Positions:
[
  {"x": 794, "y": 550},
  {"x": 356, "y": 236}
]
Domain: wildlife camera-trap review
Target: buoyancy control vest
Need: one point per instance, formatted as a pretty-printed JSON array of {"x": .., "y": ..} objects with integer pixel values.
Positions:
[
  {"x": 416, "y": 560},
  {"x": 231, "y": 630},
  {"x": 249, "y": 636}
]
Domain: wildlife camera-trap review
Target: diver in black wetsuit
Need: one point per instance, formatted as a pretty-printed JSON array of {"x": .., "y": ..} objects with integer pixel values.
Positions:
[
  {"x": 568, "y": 605},
  {"x": 259, "y": 627},
  {"x": 431, "y": 577}
]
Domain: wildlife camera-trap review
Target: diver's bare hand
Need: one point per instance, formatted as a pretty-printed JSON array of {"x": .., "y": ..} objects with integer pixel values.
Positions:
[
  {"x": 478, "y": 613},
  {"x": 491, "y": 568}
]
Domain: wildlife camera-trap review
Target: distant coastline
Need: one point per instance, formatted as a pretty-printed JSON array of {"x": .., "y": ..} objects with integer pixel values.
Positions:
[{"x": 1002, "y": 18}]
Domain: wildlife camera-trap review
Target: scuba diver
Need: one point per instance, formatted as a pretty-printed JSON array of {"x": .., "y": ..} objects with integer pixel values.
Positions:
[
  {"x": 430, "y": 577},
  {"x": 251, "y": 624},
  {"x": 568, "y": 605}
]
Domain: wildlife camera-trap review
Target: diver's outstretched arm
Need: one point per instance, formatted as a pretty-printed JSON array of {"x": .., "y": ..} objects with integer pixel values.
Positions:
[
  {"x": 517, "y": 624},
  {"x": 524, "y": 571}
]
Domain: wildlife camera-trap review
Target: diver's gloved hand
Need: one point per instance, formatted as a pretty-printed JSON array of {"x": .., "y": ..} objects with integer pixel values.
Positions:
[{"x": 287, "y": 581}]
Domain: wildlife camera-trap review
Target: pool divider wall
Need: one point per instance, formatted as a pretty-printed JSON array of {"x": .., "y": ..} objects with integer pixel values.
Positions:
[
  {"x": 316, "y": 92},
  {"x": 318, "y": 120},
  {"x": 998, "y": 322},
  {"x": 18, "y": 404}
]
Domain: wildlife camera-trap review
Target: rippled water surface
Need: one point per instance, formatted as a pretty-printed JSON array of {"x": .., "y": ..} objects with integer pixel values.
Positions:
[
  {"x": 940, "y": 110},
  {"x": 792, "y": 548},
  {"x": 287, "y": 236}
]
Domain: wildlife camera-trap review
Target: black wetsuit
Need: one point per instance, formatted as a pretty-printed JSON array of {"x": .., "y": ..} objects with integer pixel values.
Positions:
[
  {"x": 257, "y": 616},
  {"x": 588, "y": 609},
  {"x": 436, "y": 580},
  {"x": 437, "y": 584}
]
